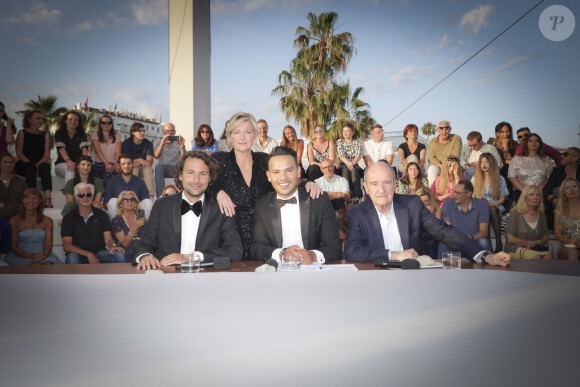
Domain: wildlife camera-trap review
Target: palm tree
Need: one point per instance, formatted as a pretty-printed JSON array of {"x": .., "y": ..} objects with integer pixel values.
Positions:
[
  {"x": 47, "y": 105},
  {"x": 344, "y": 107},
  {"x": 428, "y": 129}
]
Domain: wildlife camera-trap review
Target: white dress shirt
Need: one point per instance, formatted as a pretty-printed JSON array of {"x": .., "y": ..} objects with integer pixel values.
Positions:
[
  {"x": 189, "y": 227},
  {"x": 390, "y": 230}
]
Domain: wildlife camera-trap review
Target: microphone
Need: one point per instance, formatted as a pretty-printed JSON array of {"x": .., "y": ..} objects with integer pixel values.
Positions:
[
  {"x": 219, "y": 263},
  {"x": 405, "y": 264},
  {"x": 272, "y": 262}
]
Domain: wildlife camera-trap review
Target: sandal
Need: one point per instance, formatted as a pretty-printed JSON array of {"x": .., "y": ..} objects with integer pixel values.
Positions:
[{"x": 48, "y": 203}]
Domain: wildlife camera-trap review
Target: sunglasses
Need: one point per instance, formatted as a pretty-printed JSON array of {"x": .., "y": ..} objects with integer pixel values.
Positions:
[
  {"x": 566, "y": 154},
  {"x": 523, "y": 135},
  {"x": 445, "y": 127},
  {"x": 106, "y": 122},
  {"x": 319, "y": 131},
  {"x": 126, "y": 200},
  {"x": 205, "y": 131},
  {"x": 82, "y": 195},
  {"x": 452, "y": 159}
]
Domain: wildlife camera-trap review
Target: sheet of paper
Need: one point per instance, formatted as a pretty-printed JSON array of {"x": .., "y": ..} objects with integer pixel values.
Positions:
[
  {"x": 319, "y": 267},
  {"x": 433, "y": 266}
]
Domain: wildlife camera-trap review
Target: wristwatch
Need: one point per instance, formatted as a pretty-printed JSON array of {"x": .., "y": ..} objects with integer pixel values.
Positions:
[{"x": 485, "y": 254}]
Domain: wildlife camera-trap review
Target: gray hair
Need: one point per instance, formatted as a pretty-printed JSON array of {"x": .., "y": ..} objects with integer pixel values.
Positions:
[{"x": 84, "y": 185}]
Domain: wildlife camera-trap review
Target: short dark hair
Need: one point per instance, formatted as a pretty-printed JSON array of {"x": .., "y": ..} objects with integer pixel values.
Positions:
[
  {"x": 283, "y": 151},
  {"x": 467, "y": 184},
  {"x": 474, "y": 136},
  {"x": 524, "y": 128},
  {"x": 214, "y": 166},
  {"x": 124, "y": 156}
]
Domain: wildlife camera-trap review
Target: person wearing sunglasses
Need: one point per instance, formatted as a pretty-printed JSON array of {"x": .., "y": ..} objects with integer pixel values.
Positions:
[
  {"x": 141, "y": 151},
  {"x": 86, "y": 232},
  {"x": 549, "y": 151},
  {"x": 167, "y": 152},
  {"x": 567, "y": 224},
  {"x": 568, "y": 169},
  {"x": 440, "y": 148},
  {"x": 106, "y": 150},
  {"x": 204, "y": 140},
  {"x": 444, "y": 185},
  {"x": 128, "y": 224},
  {"x": 83, "y": 174},
  {"x": 319, "y": 149}
]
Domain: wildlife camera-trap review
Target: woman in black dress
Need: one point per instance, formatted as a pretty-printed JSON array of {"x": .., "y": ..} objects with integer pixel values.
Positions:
[{"x": 412, "y": 147}]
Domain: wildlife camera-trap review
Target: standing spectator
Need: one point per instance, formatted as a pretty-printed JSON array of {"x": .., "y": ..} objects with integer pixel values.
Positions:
[
  {"x": 126, "y": 181},
  {"x": 264, "y": 143},
  {"x": 167, "y": 154},
  {"x": 527, "y": 229},
  {"x": 86, "y": 232},
  {"x": 505, "y": 145},
  {"x": 568, "y": 169},
  {"x": 444, "y": 185},
  {"x": 440, "y": 148},
  {"x": 467, "y": 214},
  {"x": 204, "y": 140},
  {"x": 412, "y": 150},
  {"x": 349, "y": 150},
  {"x": 532, "y": 167},
  {"x": 291, "y": 140},
  {"x": 141, "y": 151},
  {"x": 376, "y": 148},
  {"x": 127, "y": 226},
  {"x": 319, "y": 149},
  {"x": 71, "y": 143},
  {"x": 83, "y": 174},
  {"x": 412, "y": 181},
  {"x": 33, "y": 151},
  {"x": 7, "y": 129},
  {"x": 553, "y": 153},
  {"x": 106, "y": 150},
  {"x": 567, "y": 224},
  {"x": 335, "y": 186},
  {"x": 471, "y": 151},
  {"x": 11, "y": 188},
  {"x": 31, "y": 233},
  {"x": 490, "y": 185}
]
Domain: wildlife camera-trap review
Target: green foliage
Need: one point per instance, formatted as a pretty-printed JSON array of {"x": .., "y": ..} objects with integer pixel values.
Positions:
[
  {"x": 47, "y": 105},
  {"x": 428, "y": 129}
]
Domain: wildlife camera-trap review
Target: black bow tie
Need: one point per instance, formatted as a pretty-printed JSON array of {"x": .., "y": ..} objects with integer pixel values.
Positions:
[
  {"x": 280, "y": 202},
  {"x": 195, "y": 207}
]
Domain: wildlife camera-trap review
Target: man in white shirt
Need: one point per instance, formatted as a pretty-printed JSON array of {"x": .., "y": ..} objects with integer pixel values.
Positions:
[
  {"x": 264, "y": 143},
  {"x": 289, "y": 221},
  {"x": 376, "y": 149},
  {"x": 335, "y": 186}
]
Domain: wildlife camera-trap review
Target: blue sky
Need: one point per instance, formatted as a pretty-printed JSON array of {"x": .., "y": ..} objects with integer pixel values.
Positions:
[{"x": 116, "y": 52}]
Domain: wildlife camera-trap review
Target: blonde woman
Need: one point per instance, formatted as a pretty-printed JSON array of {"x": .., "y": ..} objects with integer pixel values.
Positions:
[
  {"x": 488, "y": 184},
  {"x": 527, "y": 229},
  {"x": 429, "y": 201},
  {"x": 318, "y": 150},
  {"x": 444, "y": 185},
  {"x": 127, "y": 225},
  {"x": 291, "y": 140},
  {"x": 567, "y": 219}
]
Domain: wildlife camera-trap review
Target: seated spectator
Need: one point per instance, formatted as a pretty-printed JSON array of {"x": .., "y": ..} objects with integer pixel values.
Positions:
[
  {"x": 83, "y": 174},
  {"x": 167, "y": 154},
  {"x": 527, "y": 230},
  {"x": 71, "y": 143},
  {"x": 127, "y": 225},
  {"x": 33, "y": 151},
  {"x": 11, "y": 188},
  {"x": 411, "y": 150},
  {"x": 31, "y": 233},
  {"x": 263, "y": 143},
  {"x": 5, "y": 239},
  {"x": 86, "y": 232},
  {"x": 319, "y": 149},
  {"x": 349, "y": 151},
  {"x": 335, "y": 186},
  {"x": 488, "y": 184},
  {"x": 204, "y": 140},
  {"x": 412, "y": 180},
  {"x": 170, "y": 189},
  {"x": 291, "y": 140},
  {"x": 7, "y": 129},
  {"x": 429, "y": 201},
  {"x": 444, "y": 185},
  {"x": 567, "y": 219},
  {"x": 440, "y": 149},
  {"x": 141, "y": 151},
  {"x": 377, "y": 148},
  {"x": 223, "y": 144},
  {"x": 467, "y": 214},
  {"x": 549, "y": 151},
  {"x": 505, "y": 145},
  {"x": 471, "y": 151},
  {"x": 126, "y": 181},
  {"x": 568, "y": 168},
  {"x": 106, "y": 150}
]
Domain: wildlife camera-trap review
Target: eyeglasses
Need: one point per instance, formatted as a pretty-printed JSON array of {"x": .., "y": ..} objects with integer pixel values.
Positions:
[
  {"x": 520, "y": 136},
  {"x": 458, "y": 193},
  {"x": 452, "y": 159},
  {"x": 445, "y": 127},
  {"x": 126, "y": 200},
  {"x": 565, "y": 154},
  {"x": 319, "y": 131},
  {"x": 205, "y": 131},
  {"x": 82, "y": 195},
  {"x": 106, "y": 122}
]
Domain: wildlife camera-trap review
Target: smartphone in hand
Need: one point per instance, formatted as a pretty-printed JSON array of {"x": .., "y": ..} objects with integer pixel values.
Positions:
[
  {"x": 173, "y": 138},
  {"x": 140, "y": 213}
]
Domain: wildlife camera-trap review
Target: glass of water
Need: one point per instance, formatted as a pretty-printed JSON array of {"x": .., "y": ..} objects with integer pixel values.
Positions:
[
  {"x": 289, "y": 262},
  {"x": 451, "y": 260},
  {"x": 190, "y": 263}
]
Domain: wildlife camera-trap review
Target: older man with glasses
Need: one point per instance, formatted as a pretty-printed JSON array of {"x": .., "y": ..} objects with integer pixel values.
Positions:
[
  {"x": 569, "y": 168},
  {"x": 440, "y": 148},
  {"x": 549, "y": 151},
  {"x": 168, "y": 151},
  {"x": 471, "y": 151}
]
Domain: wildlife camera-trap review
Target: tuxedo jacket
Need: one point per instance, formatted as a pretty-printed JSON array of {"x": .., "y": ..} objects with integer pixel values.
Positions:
[
  {"x": 217, "y": 234},
  {"x": 364, "y": 238},
  {"x": 318, "y": 224}
]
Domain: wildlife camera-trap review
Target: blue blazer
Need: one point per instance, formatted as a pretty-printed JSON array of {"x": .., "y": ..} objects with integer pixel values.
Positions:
[{"x": 364, "y": 238}]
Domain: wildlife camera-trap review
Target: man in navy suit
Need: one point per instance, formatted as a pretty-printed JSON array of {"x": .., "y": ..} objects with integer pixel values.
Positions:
[
  {"x": 190, "y": 221},
  {"x": 387, "y": 226}
]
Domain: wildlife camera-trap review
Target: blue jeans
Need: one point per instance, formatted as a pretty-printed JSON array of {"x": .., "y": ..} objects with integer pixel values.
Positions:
[
  {"x": 485, "y": 244},
  {"x": 103, "y": 256}
]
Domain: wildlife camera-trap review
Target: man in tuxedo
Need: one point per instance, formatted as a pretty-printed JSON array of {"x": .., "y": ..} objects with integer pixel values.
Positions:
[
  {"x": 289, "y": 221},
  {"x": 189, "y": 222},
  {"x": 388, "y": 226}
]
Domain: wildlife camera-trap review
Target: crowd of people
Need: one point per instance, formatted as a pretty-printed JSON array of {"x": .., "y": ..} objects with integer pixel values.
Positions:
[{"x": 118, "y": 206}]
